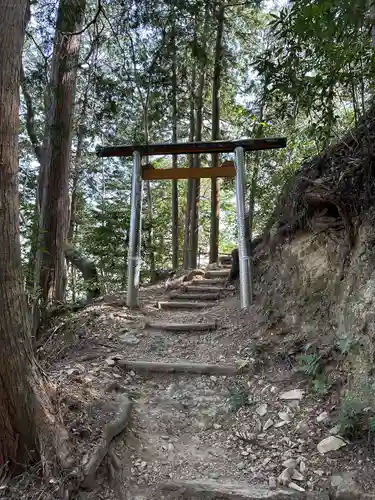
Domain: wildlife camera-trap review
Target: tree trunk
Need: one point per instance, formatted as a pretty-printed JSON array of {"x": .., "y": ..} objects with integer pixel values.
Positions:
[
  {"x": 54, "y": 220},
  {"x": 215, "y": 182},
  {"x": 29, "y": 429},
  {"x": 198, "y": 137},
  {"x": 174, "y": 158},
  {"x": 88, "y": 270},
  {"x": 189, "y": 197}
]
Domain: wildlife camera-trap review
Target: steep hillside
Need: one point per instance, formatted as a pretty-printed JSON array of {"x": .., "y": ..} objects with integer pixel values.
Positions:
[{"x": 315, "y": 278}]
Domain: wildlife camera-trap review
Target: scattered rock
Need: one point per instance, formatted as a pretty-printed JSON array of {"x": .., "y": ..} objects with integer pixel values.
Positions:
[
  {"x": 286, "y": 417},
  {"x": 345, "y": 485},
  {"x": 302, "y": 467},
  {"x": 319, "y": 472},
  {"x": 323, "y": 417},
  {"x": 335, "y": 430},
  {"x": 297, "y": 476},
  {"x": 296, "y": 487},
  {"x": 290, "y": 463},
  {"x": 272, "y": 483},
  {"x": 281, "y": 424},
  {"x": 330, "y": 443},
  {"x": 285, "y": 477},
  {"x": 241, "y": 466},
  {"x": 110, "y": 362},
  {"x": 292, "y": 395},
  {"x": 266, "y": 461},
  {"x": 129, "y": 339},
  {"x": 302, "y": 428},
  {"x": 268, "y": 424},
  {"x": 261, "y": 410}
]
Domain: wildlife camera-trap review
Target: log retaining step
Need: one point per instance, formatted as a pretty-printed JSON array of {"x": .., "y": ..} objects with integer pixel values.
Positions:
[
  {"x": 195, "y": 296},
  {"x": 183, "y": 327},
  {"x": 203, "y": 289},
  {"x": 182, "y": 305},
  {"x": 210, "y": 490},
  {"x": 179, "y": 367},
  {"x": 209, "y": 281}
]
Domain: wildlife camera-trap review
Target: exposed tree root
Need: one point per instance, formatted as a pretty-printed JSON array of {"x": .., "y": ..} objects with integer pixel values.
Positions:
[{"x": 110, "y": 431}]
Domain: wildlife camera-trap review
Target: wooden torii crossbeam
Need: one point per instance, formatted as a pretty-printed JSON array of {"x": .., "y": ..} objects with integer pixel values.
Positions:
[{"x": 227, "y": 169}]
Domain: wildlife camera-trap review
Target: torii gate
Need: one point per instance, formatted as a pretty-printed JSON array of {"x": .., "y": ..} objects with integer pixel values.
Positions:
[{"x": 227, "y": 169}]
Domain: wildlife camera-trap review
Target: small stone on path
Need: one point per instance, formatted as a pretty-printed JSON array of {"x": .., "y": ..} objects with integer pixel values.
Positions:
[
  {"x": 330, "y": 443},
  {"x": 296, "y": 487},
  {"x": 292, "y": 395},
  {"x": 129, "y": 339},
  {"x": 323, "y": 417},
  {"x": 268, "y": 424},
  {"x": 290, "y": 463},
  {"x": 297, "y": 476},
  {"x": 285, "y": 477},
  {"x": 272, "y": 483},
  {"x": 283, "y": 415},
  {"x": 261, "y": 410},
  {"x": 110, "y": 362}
]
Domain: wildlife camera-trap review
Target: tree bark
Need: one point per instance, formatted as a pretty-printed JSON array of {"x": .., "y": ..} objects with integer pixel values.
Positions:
[
  {"x": 215, "y": 182},
  {"x": 29, "y": 429},
  {"x": 174, "y": 158},
  {"x": 189, "y": 196},
  {"x": 194, "y": 236},
  {"x": 54, "y": 219}
]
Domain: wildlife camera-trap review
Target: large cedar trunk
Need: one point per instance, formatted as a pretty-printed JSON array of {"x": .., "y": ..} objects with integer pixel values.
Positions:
[
  {"x": 215, "y": 182},
  {"x": 28, "y": 427},
  {"x": 54, "y": 219}
]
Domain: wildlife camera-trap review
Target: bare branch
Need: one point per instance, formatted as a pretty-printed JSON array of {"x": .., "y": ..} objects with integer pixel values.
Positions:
[
  {"x": 37, "y": 46},
  {"x": 93, "y": 21}
]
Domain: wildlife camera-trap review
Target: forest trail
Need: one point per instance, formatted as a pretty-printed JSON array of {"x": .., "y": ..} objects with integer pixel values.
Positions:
[{"x": 227, "y": 425}]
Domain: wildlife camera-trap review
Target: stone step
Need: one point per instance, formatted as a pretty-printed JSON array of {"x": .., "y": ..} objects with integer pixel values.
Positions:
[
  {"x": 179, "y": 367},
  {"x": 217, "y": 273},
  {"x": 194, "y": 296},
  {"x": 183, "y": 327},
  {"x": 182, "y": 305}
]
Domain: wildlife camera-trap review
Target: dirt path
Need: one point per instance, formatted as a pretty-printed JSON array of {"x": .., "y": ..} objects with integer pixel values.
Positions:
[{"x": 254, "y": 431}]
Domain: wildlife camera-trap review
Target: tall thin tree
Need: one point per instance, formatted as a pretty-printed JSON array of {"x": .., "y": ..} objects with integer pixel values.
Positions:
[
  {"x": 215, "y": 182},
  {"x": 55, "y": 168}
]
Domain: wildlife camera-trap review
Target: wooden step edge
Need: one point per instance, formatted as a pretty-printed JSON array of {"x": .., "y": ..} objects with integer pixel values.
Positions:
[
  {"x": 194, "y": 296},
  {"x": 210, "y": 489},
  {"x": 183, "y": 327},
  {"x": 209, "y": 281},
  {"x": 182, "y": 305},
  {"x": 203, "y": 289},
  {"x": 179, "y": 367},
  {"x": 217, "y": 273}
]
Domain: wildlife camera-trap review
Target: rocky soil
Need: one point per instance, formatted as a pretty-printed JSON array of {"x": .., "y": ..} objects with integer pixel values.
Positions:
[{"x": 256, "y": 431}]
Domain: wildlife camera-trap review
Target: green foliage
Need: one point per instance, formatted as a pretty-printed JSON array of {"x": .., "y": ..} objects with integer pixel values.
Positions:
[
  {"x": 347, "y": 343},
  {"x": 238, "y": 397},
  {"x": 309, "y": 364},
  {"x": 305, "y": 71},
  {"x": 357, "y": 408},
  {"x": 321, "y": 385}
]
